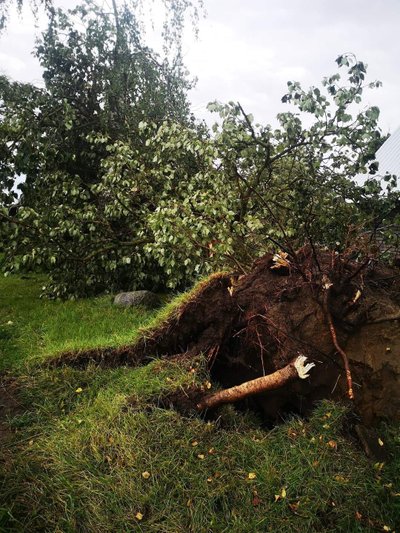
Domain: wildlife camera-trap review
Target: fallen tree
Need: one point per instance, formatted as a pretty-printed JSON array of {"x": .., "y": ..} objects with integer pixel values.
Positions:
[{"x": 257, "y": 330}]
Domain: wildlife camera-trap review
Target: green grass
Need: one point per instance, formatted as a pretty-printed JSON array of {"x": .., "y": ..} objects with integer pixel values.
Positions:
[
  {"x": 31, "y": 328},
  {"x": 77, "y": 459}
]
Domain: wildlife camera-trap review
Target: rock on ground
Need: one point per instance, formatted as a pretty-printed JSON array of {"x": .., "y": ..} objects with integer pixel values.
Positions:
[{"x": 137, "y": 299}]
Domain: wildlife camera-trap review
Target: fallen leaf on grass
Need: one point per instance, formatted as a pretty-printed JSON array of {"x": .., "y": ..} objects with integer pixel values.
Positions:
[
  {"x": 281, "y": 496},
  {"x": 256, "y": 499},
  {"x": 139, "y": 516},
  {"x": 79, "y": 390},
  {"x": 252, "y": 475},
  {"x": 146, "y": 475},
  {"x": 294, "y": 507}
]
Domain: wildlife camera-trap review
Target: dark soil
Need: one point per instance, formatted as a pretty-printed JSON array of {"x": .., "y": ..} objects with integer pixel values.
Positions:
[{"x": 251, "y": 325}]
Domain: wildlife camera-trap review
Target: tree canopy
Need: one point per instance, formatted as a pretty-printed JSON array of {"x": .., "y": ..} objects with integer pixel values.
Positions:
[{"x": 123, "y": 188}]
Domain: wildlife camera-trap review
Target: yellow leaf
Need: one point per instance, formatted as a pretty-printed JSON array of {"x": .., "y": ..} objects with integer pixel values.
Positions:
[
  {"x": 145, "y": 475},
  {"x": 195, "y": 443},
  {"x": 283, "y": 493},
  {"x": 252, "y": 475},
  {"x": 201, "y": 456},
  {"x": 386, "y": 528},
  {"x": 380, "y": 441},
  {"x": 139, "y": 516},
  {"x": 341, "y": 479},
  {"x": 79, "y": 390}
]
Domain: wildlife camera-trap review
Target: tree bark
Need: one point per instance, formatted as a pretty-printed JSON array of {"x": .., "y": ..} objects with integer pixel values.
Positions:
[{"x": 295, "y": 369}]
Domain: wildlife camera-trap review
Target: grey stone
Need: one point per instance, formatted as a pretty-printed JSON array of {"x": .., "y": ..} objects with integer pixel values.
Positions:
[{"x": 137, "y": 298}]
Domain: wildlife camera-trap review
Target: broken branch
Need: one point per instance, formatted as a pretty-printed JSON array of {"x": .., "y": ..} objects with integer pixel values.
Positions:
[{"x": 294, "y": 369}]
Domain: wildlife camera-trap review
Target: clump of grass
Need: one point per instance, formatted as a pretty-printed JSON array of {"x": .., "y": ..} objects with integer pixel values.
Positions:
[{"x": 101, "y": 466}]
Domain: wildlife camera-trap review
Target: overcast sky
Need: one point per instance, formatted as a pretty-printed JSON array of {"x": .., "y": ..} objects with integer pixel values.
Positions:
[{"x": 248, "y": 50}]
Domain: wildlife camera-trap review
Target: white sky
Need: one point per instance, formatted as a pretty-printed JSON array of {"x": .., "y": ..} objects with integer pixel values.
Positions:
[{"x": 248, "y": 49}]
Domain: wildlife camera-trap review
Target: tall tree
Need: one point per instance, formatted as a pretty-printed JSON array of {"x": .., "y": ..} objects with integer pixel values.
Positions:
[{"x": 101, "y": 81}]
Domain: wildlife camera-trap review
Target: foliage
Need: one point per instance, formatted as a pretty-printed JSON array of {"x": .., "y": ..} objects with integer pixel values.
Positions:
[
  {"x": 173, "y": 200},
  {"x": 225, "y": 198},
  {"x": 6, "y": 5},
  {"x": 100, "y": 82}
]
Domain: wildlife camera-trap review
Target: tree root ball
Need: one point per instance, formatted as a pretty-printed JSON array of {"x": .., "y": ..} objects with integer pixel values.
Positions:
[{"x": 249, "y": 326}]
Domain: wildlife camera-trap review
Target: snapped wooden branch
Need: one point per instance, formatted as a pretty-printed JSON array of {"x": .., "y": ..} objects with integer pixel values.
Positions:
[{"x": 295, "y": 369}]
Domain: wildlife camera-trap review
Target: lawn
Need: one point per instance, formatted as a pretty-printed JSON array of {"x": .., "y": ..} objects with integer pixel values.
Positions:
[{"x": 92, "y": 451}]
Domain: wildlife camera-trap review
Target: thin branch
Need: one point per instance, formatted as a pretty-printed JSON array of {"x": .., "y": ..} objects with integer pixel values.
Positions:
[
  {"x": 388, "y": 318},
  {"x": 336, "y": 344}
]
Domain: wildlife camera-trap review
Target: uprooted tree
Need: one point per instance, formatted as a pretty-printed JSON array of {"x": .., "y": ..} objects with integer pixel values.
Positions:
[{"x": 294, "y": 330}]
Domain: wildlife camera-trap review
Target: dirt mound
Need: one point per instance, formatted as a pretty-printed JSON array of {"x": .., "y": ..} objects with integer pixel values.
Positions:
[{"x": 314, "y": 303}]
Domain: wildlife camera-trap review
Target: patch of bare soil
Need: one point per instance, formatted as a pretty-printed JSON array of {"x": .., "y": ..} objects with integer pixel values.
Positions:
[{"x": 328, "y": 307}]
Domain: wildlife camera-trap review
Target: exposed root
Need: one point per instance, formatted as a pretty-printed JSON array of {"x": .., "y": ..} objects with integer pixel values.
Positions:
[
  {"x": 295, "y": 369},
  {"x": 339, "y": 349}
]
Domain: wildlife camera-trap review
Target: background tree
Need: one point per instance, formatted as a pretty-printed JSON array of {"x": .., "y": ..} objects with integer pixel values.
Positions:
[{"x": 100, "y": 82}]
